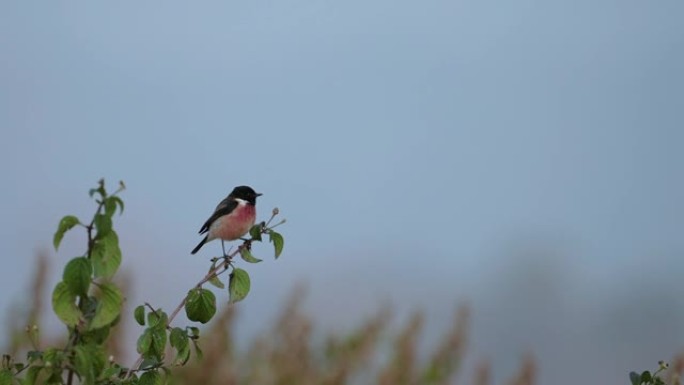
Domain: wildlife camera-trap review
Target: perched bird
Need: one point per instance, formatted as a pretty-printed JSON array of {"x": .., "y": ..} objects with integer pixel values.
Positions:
[{"x": 232, "y": 219}]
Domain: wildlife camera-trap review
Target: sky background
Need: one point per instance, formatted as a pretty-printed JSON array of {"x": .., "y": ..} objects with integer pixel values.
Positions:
[{"x": 522, "y": 157}]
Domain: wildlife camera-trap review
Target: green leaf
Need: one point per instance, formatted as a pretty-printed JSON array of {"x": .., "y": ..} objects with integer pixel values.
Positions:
[
  {"x": 158, "y": 343},
  {"x": 238, "y": 285},
  {"x": 200, "y": 305},
  {"x": 32, "y": 375},
  {"x": 157, "y": 319},
  {"x": 84, "y": 365},
  {"x": 34, "y": 355},
  {"x": 53, "y": 357},
  {"x": 150, "y": 377},
  {"x": 111, "y": 372},
  {"x": 194, "y": 332},
  {"x": 64, "y": 304},
  {"x": 215, "y": 281},
  {"x": 96, "y": 336},
  {"x": 139, "y": 315},
  {"x": 635, "y": 378},
  {"x": 150, "y": 363},
  {"x": 278, "y": 242},
  {"x": 110, "y": 205},
  {"x": 88, "y": 305},
  {"x": 247, "y": 256},
  {"x": 77, "y": 276},
  {"x": 119, "y": 202},
  {"x": 6, "y": 377},
  {"x": 179, "y": 339},
  {"x": 646, "y": 376},
  {"x": 100, "y": 189},
  {"x": 106, "y": 255},
  {"x": 198, "y": 351},
  {"x": 151, "y": 343},
  {"x": 255, "y": 232},
  {"x": 103, "y": 224},
  {"x": 66, "y": 224},
  {"x": 144, "y": 342},
  {"x": 183, "y": 356},
  {"x": 109, "y": 306}
]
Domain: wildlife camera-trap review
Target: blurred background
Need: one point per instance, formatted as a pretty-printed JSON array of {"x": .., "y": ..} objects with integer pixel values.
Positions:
[{"x": 524, "y": 158}]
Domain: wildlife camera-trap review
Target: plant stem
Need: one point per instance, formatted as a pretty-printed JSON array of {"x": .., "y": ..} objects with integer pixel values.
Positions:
[
  {"x": 216, "y": 271},
  {"x": 91, "y": 242}
]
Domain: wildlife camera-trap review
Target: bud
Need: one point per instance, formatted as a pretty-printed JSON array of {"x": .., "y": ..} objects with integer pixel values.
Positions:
[{"x": 275, "y": 211}]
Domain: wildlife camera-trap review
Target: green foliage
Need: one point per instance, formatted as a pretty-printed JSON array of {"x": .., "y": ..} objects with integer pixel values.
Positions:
[
  {"x": 152, "y": 342},
  {"x": 238, "y": 285},
  {"x": 180, "y": 340},
  {"x": 64, "y": 304},
  {"x": 89, "y": 303},
  {"x": 151, "y": 377},
  {"x": 247, "y": 256},
  {"x": 213, "y": 278},
  {"x": 139, "y": 315},
  {"x": 6, "y": 377},
  {"x": 216, "y": 282},
  {"x": 111, "y": 204},
  {"x": 89, "y": 360},
  {"x": 648, "y": 378},
  {"x": 278, "y": 242},
  {"x": 255, "y": 231},
  {"x": 103, "y": 225},
  {"x": 66, "y": 224},
  {"x": 108, "y": 306},
  {"x": 77, "y": 276},
  {"x": 200, "y": 305},
  {"x": 106, "y": 255}
]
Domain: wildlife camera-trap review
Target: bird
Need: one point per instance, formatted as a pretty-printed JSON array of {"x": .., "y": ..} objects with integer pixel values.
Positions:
[{"x": 232, "y": 219}]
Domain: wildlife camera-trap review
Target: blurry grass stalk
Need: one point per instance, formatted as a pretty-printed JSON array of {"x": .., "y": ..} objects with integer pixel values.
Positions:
[{"x": 286, "y": 354}]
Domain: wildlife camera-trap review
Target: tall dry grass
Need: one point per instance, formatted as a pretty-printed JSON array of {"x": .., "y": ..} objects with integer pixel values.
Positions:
[{"x": 372, "y": 353}]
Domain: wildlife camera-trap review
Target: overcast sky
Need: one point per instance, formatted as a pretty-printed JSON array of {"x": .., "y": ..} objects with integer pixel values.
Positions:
[{"x": 525, "y": 157}]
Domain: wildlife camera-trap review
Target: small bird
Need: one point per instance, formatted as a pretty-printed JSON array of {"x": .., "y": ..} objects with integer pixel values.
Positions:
[{"x": 232, "y": 219}]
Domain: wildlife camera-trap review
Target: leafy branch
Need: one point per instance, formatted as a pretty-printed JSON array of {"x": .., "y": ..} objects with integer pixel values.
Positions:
[
  {"x": 200, "y": 303},
  {"x": 89, "y": 304},
  {"x": 648, "y": 378}
]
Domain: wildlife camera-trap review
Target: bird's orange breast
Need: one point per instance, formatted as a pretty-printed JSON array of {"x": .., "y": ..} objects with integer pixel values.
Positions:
[{"x": 234, "y": 225}]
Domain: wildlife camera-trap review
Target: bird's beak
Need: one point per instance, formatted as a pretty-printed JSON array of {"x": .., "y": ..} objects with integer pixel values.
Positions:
[{"x": 259, "y": 194}]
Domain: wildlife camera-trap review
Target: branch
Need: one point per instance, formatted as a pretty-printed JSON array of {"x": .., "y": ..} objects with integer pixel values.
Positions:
[{"x": 214, "y": 272}]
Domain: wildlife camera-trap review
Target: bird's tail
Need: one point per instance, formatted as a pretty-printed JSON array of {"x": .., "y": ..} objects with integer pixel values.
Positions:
[{"x": 196, "y": 249}]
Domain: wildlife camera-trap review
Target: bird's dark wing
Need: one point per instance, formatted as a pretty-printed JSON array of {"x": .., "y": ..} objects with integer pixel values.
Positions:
[{"x": 224, "y": 208}]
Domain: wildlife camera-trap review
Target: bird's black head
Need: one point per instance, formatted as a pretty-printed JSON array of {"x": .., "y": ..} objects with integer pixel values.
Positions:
[{"x": 245, "y": 193}]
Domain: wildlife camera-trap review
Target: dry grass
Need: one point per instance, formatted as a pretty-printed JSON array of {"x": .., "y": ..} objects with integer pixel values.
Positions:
[{"x": 373, "y": 352}]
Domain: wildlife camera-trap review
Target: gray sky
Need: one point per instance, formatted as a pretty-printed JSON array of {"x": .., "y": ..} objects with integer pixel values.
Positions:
[{"x": 523, "y": 156}]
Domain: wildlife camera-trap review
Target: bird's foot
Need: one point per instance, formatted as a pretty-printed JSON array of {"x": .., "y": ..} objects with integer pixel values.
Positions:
[{"x": 247, "y": 243}]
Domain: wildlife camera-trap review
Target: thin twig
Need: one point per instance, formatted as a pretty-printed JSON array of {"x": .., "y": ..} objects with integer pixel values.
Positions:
[{"x": 214, "y": 272}]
